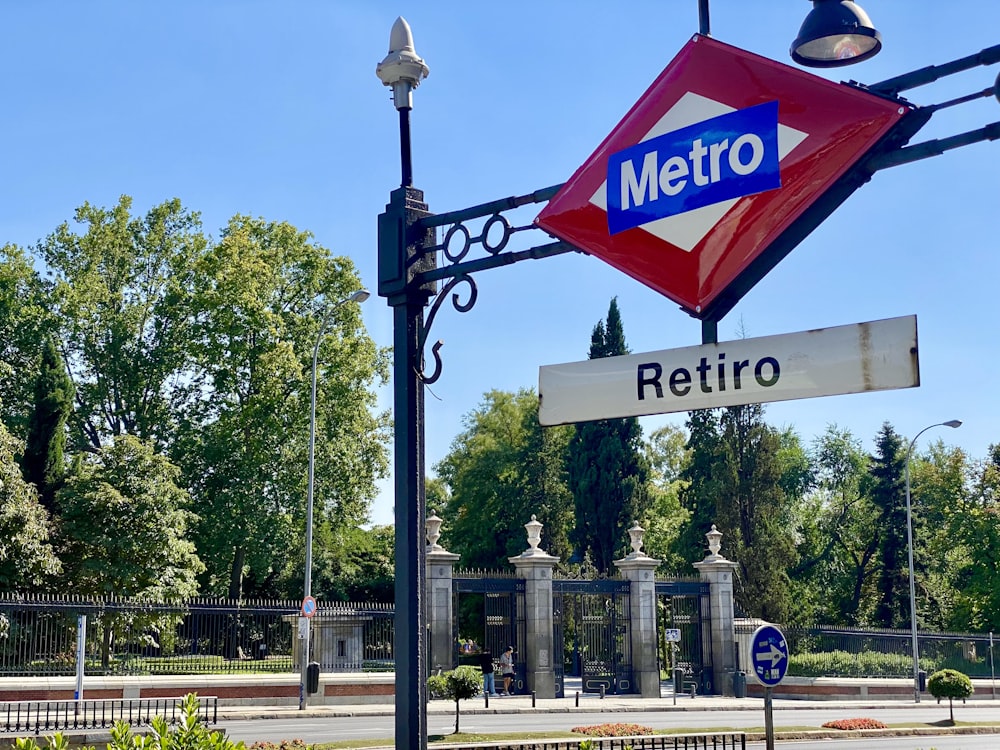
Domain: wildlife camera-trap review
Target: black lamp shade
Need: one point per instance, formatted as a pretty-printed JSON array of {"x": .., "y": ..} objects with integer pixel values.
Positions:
[{"x": 835, "y": 33}]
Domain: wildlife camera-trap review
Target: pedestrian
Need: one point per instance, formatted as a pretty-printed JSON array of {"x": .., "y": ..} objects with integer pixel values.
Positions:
[
  {"x": 486, "y": 664},
  {"x": 507, "y": 669}
]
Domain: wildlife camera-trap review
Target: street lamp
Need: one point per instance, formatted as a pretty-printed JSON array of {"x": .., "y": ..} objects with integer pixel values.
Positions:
[
  {"x": 909, "y": 544},
  {"x": 359, "y": 296},
  {"x": 835, "y": 33}
]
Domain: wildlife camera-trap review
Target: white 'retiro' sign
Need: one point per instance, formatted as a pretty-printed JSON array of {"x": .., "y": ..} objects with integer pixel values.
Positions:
[{"x": 875, "y": 356}]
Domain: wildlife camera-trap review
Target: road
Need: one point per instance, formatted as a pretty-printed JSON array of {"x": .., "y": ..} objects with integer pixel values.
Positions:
[{"x": 312, "y": 729}]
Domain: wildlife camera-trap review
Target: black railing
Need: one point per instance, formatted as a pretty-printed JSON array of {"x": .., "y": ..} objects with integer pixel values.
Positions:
[
  {"x": 708, "y": 741},
  {"x": 38, "y": 636},
  {"x": 72, "y": 715}
]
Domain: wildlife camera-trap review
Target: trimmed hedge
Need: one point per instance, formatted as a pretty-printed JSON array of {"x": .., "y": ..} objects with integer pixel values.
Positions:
[{"x": 845, "y": 664}]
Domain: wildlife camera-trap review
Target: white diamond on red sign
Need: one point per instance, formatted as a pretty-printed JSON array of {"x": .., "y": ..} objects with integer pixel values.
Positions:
[{"x": 714, "y": 167}]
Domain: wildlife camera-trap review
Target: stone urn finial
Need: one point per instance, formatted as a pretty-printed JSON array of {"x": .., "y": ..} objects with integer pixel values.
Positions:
[
  {"x": 636, "y": 534},
  {"x": 714, "y": 542},
  {"x": 432, "y": 525},
  {"x": 534, "y": 528}
]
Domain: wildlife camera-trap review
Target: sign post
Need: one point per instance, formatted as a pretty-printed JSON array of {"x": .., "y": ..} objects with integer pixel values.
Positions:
[
  {"x": 81, "y": 658},
  {"x": 673, "y": 637},
  {"x": 769, "y": 653}
]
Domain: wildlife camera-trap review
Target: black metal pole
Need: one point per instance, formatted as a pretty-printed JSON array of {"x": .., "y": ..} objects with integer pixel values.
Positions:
[
  {"x": 401, "y": 257},
  {"x": 411, "y": 708},
  {"x": 405, "y": 160},
  {"x": 704, "y": 24}
]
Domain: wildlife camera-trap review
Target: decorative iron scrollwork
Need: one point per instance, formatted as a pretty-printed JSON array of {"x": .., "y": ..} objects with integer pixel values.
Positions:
[
  {"x": 455, "y": 248},
  {"x": 460, "y": 306}
]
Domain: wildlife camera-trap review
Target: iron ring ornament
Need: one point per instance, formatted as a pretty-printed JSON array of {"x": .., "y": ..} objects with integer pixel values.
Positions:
[{"x": 456, "y": 247}]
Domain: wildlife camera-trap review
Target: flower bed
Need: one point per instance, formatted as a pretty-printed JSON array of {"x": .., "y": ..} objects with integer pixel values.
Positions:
[
  {"x": 855, "y": 724},
  {"x": 613, "y": 730}
]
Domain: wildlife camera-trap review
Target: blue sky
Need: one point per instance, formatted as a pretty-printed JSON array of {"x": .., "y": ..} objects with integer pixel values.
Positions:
[{"x": 273, "y": 109}]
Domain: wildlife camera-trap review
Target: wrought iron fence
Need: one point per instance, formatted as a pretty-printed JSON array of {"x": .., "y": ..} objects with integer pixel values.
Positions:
[
  {"x": 39, "y": 636},
  {"x": 73, "y": 715},
  {"x": 825, "y": 651}
]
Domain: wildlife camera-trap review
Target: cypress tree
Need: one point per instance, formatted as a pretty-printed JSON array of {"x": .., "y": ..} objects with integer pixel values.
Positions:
[
  {"x": 43, "y": 464},
  {"x": 888, "y": 493},
  {"x": 608, "y": 471}
]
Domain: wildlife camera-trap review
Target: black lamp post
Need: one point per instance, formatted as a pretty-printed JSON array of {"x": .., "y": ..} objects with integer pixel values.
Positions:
[{"x": 408, "y": 277}]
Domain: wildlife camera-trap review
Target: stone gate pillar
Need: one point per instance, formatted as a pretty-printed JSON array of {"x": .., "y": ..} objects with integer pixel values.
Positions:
[
  {"x": 719, "y": 629},
  {"x": 638, "y": 568},
  {"x": 535, "y": 567},
  {"x": 440, "y": 565}
]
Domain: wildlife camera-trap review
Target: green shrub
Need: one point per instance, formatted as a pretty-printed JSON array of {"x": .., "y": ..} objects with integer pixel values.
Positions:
[
  {"x": 189, "y": 734},
  {"x": 950, "y": 684},
  {"x": 437, "y": 687}
]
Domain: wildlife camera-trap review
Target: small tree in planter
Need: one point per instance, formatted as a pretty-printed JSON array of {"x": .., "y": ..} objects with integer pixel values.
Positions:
[
  {"x": 463, "y": 682},
  {"x": 950, "y": 684}
]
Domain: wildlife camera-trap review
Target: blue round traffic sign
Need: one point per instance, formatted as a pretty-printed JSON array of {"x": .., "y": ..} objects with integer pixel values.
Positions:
[{"x": 769, "y": 654}]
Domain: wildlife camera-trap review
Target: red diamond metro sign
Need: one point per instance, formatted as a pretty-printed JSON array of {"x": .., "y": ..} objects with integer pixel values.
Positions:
[{"x": 719, "y": 170}]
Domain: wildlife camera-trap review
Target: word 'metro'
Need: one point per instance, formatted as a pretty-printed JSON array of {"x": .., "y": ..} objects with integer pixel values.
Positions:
[
  {"x": 708, "y": 378},
  {"x": 715, "y": 160}
]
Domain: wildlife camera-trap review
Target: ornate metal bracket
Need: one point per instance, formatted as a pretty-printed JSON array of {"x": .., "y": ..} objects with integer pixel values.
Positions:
[{"x": 455, "y": 248}]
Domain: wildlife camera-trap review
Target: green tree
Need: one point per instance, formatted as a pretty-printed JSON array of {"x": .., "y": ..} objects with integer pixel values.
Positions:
[
  {"x": 939, "y": 482},
  {"x": 702, "y": 477},
  {"x": 756, "y": 511},
  {"x": 121, "y": 291},
  {"x": 358, "y": 567},
  {"x": 25, "y": 320},
  {"x": 502, "y": 469},
  {"x": 27, "y": 560},
  {"x": 608, "y": 470},
  {"x": 667, "y": 457},
  {"x": 838, "y": 524},
  {"x": 888, "y": 493},
  {"x": 259, "y": 298},
  {"x": 123, "y": 526},
  {"x": 461, "y": 684},
  {"x": 950, "y": 684},
  {"x": 44, "y": 462},
  {"x": 965, "y": 533}
]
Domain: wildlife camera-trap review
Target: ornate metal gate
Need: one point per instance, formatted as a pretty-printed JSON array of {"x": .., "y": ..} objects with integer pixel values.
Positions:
[
  {"x": 489, "y": 615},
  {"x": 591, "y": 632},
  {"x": 684, "y": 606}
]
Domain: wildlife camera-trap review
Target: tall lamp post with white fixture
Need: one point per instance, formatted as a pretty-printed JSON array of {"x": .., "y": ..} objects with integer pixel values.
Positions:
[
  {"x": 909, "y": 545},
  {"x": 359, "y": 296}
]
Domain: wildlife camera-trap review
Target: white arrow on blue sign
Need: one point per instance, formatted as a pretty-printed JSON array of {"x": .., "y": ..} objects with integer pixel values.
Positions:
[{"x": 769, "y": 654}]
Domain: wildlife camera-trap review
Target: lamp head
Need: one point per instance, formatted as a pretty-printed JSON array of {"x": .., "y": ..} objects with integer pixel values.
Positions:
[
  {"x": 359, "y": 296},
  {"x": 402, "y": 69},
  {"x": 953, "y": 423},
  {"x": 834, "y": 34}
]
